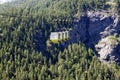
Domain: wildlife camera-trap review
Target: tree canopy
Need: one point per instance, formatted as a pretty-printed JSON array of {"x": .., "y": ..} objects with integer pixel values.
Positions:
[{"x": 24, "y": 54}]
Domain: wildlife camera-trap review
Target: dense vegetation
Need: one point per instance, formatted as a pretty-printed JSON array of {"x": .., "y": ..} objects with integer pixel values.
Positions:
[{"x": 24, "y": 51}]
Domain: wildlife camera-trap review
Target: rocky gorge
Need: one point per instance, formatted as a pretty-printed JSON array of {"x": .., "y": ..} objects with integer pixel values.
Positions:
[{"x": 94, "y": 29}]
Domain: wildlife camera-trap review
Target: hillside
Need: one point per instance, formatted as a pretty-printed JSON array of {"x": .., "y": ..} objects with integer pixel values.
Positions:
[{"x": 27, "y": 54}]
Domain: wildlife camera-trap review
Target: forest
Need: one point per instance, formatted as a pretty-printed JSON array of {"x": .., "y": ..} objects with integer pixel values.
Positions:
[{"x": 25, "y": 27}]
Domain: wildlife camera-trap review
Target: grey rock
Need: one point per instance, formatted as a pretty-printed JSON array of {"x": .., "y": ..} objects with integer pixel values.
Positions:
[
  {"x": 108, "y": 50},
  {"x": 94, "y": 30}
]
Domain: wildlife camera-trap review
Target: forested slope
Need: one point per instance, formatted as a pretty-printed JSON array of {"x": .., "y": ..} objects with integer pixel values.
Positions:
[{"x": 24, "y": 54}]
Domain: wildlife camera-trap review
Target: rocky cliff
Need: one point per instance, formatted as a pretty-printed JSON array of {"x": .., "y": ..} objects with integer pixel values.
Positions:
[{"x": 94, "y": 29}]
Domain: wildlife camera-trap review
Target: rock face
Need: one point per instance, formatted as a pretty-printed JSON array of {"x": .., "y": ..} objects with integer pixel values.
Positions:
[
  {"x": 94, "y": 28},
  {"x": 108, "y": 50}
]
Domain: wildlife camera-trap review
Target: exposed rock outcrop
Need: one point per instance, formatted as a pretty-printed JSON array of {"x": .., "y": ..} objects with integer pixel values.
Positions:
[
  {"x": 108, "y": 50},
  {"x": 93, "y": 28}
]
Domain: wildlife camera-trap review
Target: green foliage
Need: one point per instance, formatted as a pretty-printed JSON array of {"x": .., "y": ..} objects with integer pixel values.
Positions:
[
  {"x": 24, "y": 54},
  {"x": 115, "y": 38},
  {"x": 118, "y": 6}
]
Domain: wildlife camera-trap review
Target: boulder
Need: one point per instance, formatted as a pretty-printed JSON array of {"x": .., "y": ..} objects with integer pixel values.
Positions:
[{"x": 108, "y": 50}]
